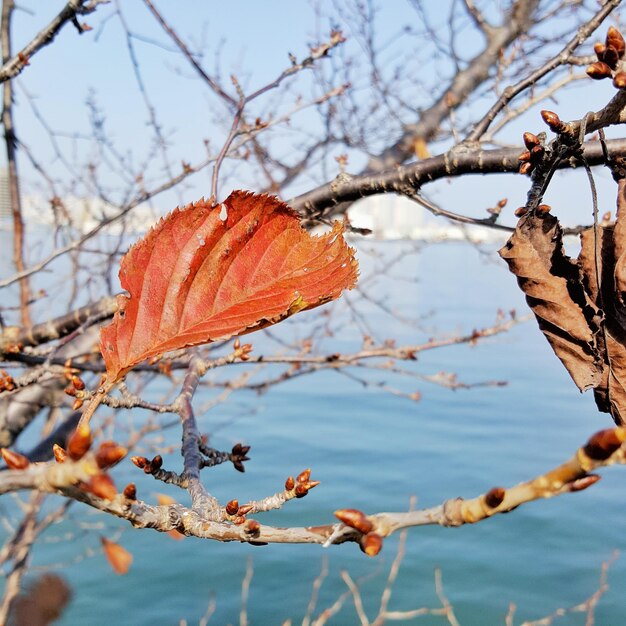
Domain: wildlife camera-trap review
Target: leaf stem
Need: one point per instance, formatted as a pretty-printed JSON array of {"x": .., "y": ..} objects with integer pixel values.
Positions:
[{"x": 94, "y": 403}]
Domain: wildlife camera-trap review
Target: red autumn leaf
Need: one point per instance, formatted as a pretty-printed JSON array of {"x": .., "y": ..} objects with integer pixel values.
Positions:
[
  {"x": 196, "y": 278},
  {"x": 119, "y": 558}
]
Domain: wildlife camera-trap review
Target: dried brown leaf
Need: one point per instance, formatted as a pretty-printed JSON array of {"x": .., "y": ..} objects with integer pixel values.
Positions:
[
  {"x": 599, "y": 260},
  {"x": 119, "y": 558},
  {"x": 554, "y": 291},
  {"x": 619, "y": 239}
]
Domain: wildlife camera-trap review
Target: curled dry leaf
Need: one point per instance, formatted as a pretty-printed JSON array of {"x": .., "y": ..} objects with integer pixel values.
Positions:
[
  {"x": 196, "y": 278},
  {"x": 554, "y": 291},
  {"x": 119, "y": 558},
  {"x": 579, "y": 304}
]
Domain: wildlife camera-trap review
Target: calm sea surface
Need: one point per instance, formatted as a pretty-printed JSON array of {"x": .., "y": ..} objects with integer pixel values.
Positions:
[{"x": 372, "y": 450}]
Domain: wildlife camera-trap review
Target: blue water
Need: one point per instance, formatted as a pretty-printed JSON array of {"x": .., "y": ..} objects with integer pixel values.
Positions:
[{"x": 372, "y": 450}]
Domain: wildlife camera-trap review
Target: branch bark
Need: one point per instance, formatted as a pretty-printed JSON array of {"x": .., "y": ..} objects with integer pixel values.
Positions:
[
  {"x": 13, "y": 180},
  {"x": 12, "y": 66}
]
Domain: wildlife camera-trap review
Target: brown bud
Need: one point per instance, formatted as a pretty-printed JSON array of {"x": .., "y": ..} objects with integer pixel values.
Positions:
[
  {"x": 232, "y": 507},
  {"x": 140, "y": 461},
  {"x": 619, "y": 81},
  {"x": 611, "y": 57},
  {"x": 371, "y": 544},
  {"x": 79, "y": 442},
  {"x": 102, "y": 485},
  {"x": 70, "y": 390},
  {"x": 355, "y": 519},
  {"x": 521, "y": 211},
  {"x": 290, "y": 483},
  {"x": 239, "y": 520},
  {"x": 494, "y": 497},
  {"x": 304, "y": 476},
  {"x": 252, "y": 527},
  {"x": 543, "y": 209},
  {"x": 598, "y": 70},
  {"x": 615, "y": 39},
  {"x": 606, "y": 217},
  {"x": 237, "y": 344},
  {"x": 526, "y": 168},
  {"x": 59, "y": 453},
  {"x": 552, "y": 120},
  {"x": 524, "y": 157},
  {"x": 130, "y": 491},
  {"x": 311, "y": 484},
  {"x": 78, "y": 382},
  {"x": 157, "y": 462},
  {"x": 536, "y": 153},
  {"x": 530, "y": 140},
  {"x": 604, "y": 443},
  {"x": 77, "y": 404},
  {"x": 244, "y": 509},
  {"x": 109, "y": 453},
  {"x": 599, "y": 49},
  {"x": 502, "y": 203},
  {"x": 584, "y": 482},
  {"x": 14, "y": 460},
  {"x": 301, "y": 490}
]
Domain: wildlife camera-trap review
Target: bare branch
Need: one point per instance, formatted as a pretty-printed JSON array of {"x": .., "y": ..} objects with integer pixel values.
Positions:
[
  {"x": 12, "y": 66},
  {"x": 583, "y": 33}
]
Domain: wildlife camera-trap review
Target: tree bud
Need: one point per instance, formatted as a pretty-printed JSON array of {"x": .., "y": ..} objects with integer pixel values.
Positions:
[
  {"x": 371, "y": 544},
  {"x": 102, "y": 485},
  {"x": 244, "y": 509},
  {"x": 584, "y": 482},
  {"x": 109, "y": 453},
  {"x": 530, "y": 140},
  {"x": 355, "y": 519},
  {"x": 494, "y": 497},
  {"x": 14, "y": 460},
  {"x": 252, "y": 527},
  {"x": 79, "y": 442},
  {"x": 140, "y": 461},
  {"x": 611, "y": 57},
  {"x": 604, "y": 443},
  {"x": 552, "y": 120},
  {"x": 615, "y": 39},
  {"x": 619, "y": 81},
  {"x": 598, "y": 70},
  {"x": 130, "y": 491},
  {"x": 59, "y": 453},
  {"x": 304, "y": 476}
]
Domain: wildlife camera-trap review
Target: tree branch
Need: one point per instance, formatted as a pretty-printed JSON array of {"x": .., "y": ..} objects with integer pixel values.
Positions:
[{"x": 12, "y": 66}]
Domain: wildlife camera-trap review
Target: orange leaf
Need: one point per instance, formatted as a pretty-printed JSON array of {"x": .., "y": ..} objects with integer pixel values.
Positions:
[
  {"x": 118, "y": 557},
  {"x": 196, "y": 278}
]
